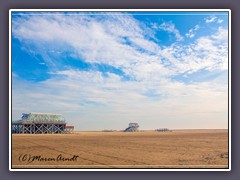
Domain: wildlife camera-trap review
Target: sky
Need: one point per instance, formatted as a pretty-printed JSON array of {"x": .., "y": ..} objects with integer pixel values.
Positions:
[{"x": 103, "y": 70}]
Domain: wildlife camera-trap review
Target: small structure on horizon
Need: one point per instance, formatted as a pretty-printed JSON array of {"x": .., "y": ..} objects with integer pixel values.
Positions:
[
  {"x": 41, "y": 123},
  {"x": 132, "y": 127},
  {"x": 163, "y": 130}
]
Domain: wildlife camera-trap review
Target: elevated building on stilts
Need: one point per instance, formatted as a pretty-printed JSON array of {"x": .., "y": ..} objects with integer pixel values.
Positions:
[{"x": 41, "y": 123}]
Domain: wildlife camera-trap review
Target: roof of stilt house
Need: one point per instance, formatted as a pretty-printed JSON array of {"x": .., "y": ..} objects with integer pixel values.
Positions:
[{"x": 42, "y": 117}]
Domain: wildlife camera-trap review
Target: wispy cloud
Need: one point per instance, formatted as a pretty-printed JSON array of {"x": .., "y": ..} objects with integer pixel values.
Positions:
[
  {"x": 210, "y": 19},
  {"x": 220, "y": 21},
  {"x": 111, "y": 42},
  {"x": 207, "y": 52},
  {"x": 192, "y": 31},
  {"x": 170, "y": 28},
  {"x": 86, "y": 98}
]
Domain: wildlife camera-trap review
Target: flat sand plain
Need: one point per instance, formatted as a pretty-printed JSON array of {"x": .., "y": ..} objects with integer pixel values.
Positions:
[{"x": 147, "y": 149}]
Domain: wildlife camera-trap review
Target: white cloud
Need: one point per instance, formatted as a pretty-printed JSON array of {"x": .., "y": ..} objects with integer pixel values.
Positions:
[
  {"x": 113, "y": 42},
  {"x": 169, "y": 27},
  {"x": 207, "y": 52},
  {"x": 196, "y": 27},
  {"x": 210, "y": 19},
  {"x": 192, "y": 31},
  {"x": 221, "y": 35},
  {"x": 117, "y": 102},
  {"x": 220, "y": 21},
  {"x": 94, "y": 41},
  {"x": 190, "y": 34}
]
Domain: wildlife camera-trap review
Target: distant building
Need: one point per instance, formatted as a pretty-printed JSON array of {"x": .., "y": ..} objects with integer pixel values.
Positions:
[
  {"x": 41, "y": 123},
  {"x": 132, "y": 127},
  {"x": 163, "y": 130}
]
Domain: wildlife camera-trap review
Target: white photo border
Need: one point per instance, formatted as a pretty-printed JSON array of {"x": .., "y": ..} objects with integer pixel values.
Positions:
[{"x": 120, "y": 10}]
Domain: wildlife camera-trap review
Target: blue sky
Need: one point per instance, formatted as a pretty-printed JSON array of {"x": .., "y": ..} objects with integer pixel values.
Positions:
[{"x": 103, "y": 70}]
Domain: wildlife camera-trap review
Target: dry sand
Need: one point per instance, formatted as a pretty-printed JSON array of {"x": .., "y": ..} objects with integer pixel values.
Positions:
[{"x": 148, "y": 149}]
